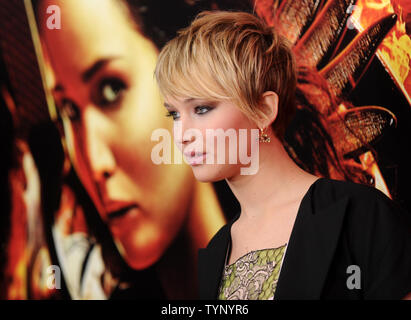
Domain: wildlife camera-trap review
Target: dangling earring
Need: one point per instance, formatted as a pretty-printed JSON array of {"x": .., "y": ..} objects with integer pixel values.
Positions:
[{"x": 263, "y": 136}]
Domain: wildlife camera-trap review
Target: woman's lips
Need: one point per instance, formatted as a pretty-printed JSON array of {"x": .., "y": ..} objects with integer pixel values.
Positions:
[{"x": 117, "y": 209}]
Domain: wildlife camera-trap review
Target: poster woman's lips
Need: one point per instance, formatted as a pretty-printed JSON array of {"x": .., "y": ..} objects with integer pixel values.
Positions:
[{"x": 117, "y": 209}]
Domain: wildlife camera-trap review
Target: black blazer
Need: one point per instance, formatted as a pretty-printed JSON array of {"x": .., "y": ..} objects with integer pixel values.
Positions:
[{"x": 339, "y": 223}]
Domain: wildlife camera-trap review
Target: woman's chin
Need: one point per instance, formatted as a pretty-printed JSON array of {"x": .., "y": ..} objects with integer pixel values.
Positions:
[
  {"x": 207, "y": 178},
  {"x": 210, "y": 173},
  {"x": 140, "y": 264},
  {"x": 141, "y": 261},
  {"x": 142, "y": 256}
]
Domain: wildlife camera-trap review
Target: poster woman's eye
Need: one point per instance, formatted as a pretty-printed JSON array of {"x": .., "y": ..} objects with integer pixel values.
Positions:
[
  {"x": 110, "y": 91},
  {"x": 70, "y": 109}
]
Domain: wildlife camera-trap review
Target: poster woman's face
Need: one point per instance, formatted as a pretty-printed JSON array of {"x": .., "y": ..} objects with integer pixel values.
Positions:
[{"x": 103, "y": 69}]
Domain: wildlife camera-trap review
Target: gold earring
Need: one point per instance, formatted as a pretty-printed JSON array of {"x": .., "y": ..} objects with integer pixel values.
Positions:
[{"x": 263, "y": 136}]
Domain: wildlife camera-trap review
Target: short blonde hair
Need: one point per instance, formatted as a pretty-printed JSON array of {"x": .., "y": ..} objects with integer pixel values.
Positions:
[{"x": 230, "y": 55}]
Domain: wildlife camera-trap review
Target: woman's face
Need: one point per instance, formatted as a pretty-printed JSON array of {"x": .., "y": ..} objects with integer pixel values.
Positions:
[
  {"x": 217, "y": 134},
  {"x": 104, "y": 87}
]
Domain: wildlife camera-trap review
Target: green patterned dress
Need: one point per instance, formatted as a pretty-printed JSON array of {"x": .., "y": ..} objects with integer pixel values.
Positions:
[{"x": 253, "y": 276}]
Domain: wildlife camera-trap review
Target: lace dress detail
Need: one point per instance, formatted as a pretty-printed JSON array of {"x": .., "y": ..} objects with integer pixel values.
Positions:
[{"x": 253, "y": 276}]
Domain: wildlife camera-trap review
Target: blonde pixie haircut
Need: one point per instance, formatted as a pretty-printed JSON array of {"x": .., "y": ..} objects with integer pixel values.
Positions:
[{"x": 233, "y": 56}]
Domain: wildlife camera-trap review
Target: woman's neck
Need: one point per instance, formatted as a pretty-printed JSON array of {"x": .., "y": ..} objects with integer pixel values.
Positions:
[{"x": 278, "y": 181}]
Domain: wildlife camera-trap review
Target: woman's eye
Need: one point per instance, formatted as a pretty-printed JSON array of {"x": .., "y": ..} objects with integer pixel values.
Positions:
[
  {"x": 202, "y": 109},
  {"x": 173, "y": 114},
  {"x": 109, "y": 91},
  {"x": 70, "y": 109}
]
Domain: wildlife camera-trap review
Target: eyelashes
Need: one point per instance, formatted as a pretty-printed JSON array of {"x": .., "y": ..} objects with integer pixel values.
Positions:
[
  {"x": 172, "y": 114},
  {"x": 199, "y": 110},
  {"x": 202, "y": 109}
]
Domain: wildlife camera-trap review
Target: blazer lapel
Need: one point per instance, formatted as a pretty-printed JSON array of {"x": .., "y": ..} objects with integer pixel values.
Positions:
[
  {"x": 310, "y": 251},
  {"x": 210, "y": 268},
  {"x": 211, "y": 261}
]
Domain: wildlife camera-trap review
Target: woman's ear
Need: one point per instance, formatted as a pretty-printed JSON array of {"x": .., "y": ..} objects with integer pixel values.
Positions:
[{"x": 269, "y": 102}]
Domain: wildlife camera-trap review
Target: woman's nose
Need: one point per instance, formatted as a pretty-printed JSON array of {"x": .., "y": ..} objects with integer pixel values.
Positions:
[
  {"x": 183, "y": 133},
  {"x": 188, "y": 136},
  {"x": 100, "y": 156}
]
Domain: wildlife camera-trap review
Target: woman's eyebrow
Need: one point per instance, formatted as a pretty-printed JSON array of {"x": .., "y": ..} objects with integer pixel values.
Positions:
[
  {"x": 185, "y": 101},
  {"x": 89, "y": 72},
  {"x": 95, "y": 67}
]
